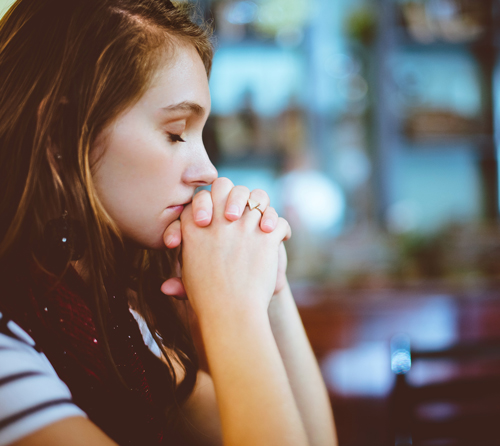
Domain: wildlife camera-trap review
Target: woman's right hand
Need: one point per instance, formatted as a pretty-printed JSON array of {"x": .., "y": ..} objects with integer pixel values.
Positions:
[
  {"x": 229, "y": 265},
  {"x": 229, "y": 271}
]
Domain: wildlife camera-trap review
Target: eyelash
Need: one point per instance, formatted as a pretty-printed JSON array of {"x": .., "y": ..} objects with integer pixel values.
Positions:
[{"x": 175, "y": 138}]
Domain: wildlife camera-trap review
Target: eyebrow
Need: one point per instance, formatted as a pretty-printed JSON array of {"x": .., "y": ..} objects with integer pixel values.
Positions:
[{"x": 186, "y": 106}]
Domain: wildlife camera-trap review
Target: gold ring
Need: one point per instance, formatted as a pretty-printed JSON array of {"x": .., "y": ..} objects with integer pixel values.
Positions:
[{"x": 254, "y": 205}]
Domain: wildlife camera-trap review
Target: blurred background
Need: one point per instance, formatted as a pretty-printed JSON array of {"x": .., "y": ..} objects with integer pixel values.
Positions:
[{"x": 373, "y": 125}]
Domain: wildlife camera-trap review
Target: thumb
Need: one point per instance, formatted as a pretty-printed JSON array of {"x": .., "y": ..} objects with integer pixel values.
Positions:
[
  {"x": 172, "y": 236},
  {"x": 174, "y": 287}
]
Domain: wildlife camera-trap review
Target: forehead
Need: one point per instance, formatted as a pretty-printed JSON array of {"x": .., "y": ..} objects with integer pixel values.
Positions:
[{"x": 180, "y": 77}]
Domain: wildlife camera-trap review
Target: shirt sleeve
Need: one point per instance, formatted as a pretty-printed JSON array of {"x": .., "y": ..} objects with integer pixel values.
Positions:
[
  {"x": 146, "y": 334},
  {"x": 32, "y": 396}
]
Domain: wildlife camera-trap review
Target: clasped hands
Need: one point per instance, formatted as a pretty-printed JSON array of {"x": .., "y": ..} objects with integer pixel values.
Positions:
[{"x": 224, "y": 242}]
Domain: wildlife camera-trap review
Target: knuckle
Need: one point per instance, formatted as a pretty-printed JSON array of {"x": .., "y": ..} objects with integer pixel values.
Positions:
[
  {"x": 222, "y": 182},
  {"x": 206, "y": 200},
  {"x": 261, "y": 196},
  {"x": 272, "y": 211},
  {"x": 260, "y": 192},
  {"x": 242, "y": 190},
  {"x": 201, "y": 196},
  {"x": 284, "y": 223}
]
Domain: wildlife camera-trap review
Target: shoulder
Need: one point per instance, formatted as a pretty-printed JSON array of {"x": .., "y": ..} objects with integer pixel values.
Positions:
[{"x": 31, "y": 394}]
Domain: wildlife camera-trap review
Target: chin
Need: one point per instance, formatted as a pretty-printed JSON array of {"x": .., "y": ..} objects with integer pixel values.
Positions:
[
  {"x": 156, "y": 244},
  {"x": 144, "y": 242}
]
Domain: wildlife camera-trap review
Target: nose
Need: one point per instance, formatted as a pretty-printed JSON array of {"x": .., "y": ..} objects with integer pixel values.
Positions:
[{"x": 200, "y": 170}]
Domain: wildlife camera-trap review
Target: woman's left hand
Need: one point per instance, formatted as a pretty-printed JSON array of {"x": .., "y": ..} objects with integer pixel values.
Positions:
[{"x": 236, "y": 203}]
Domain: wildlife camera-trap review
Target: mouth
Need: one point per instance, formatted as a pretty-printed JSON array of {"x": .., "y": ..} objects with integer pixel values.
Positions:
[{"x": 178, "y": 208}]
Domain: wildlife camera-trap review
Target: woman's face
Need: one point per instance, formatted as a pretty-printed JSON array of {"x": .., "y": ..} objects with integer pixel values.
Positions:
[{"x": 152, "y": 157}]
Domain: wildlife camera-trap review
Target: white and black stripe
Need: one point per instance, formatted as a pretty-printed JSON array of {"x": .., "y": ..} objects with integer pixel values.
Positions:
[{"x": 31, "y": 394}]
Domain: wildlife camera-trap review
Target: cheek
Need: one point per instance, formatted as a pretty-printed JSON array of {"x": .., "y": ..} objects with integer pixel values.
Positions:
[
  {"x": 127, "y": 158},
  {"x": 137, "y": 177}
]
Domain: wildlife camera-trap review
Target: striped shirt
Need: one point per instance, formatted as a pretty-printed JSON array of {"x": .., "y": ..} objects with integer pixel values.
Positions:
[{"x": 31, "y": 394}]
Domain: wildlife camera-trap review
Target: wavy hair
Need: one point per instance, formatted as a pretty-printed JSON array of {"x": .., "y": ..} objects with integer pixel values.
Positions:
[{"x": 67, "y": 70}]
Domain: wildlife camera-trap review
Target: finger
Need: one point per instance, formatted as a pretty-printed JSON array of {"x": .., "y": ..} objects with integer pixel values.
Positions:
[
  {"x": 236, "y": 202},
  {"x": 282, "y": 264},
  {"x": 202, "y": 208},
  {"x": 172, "y": 236},
  {"x": 283, "y": 230},
  {"x": 269, "y": 220},
  {"x": 221, "y": 188},
  {"x": 174, "y": 287},
  {"x": 258, "y": 196},
  {"x": 187, "y": 217}
]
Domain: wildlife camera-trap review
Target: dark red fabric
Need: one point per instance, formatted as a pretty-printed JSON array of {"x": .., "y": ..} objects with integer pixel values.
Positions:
[{"x": 60, "y": 319}]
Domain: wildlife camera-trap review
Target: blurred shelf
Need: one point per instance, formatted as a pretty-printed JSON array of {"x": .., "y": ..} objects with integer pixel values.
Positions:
[
  {"x": 442, "y": 124},
  {"x": 473, "y": 32},
  {"x": 485, "y": 42},
  {"x": 448, "y": 141}
]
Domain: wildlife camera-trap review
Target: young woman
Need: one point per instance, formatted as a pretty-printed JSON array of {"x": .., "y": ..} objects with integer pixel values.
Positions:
[{"x": 102, "y": 108}]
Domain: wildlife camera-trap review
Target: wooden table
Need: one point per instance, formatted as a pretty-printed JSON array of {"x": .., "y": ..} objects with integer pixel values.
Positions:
[{"x": 350, "y": 332}]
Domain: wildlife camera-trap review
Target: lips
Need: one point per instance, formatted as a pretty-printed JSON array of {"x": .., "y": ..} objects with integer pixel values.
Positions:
[{"x": 178, "y": 207}]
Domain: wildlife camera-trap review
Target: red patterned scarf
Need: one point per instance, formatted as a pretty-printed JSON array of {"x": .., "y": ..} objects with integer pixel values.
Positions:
[{"x": 60, "y": 319}]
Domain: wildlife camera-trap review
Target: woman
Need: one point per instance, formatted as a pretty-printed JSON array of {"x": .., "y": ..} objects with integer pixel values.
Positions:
[{"x": 103, "y": 106}]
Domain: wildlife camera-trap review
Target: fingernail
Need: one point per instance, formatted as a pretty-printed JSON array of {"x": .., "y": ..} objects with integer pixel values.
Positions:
[
  {"x": 268, "y": 224},
  {"x": 201, "y": 215},
  {"x": 169, "y": 240},
  {"x": 233, "y": 210}
]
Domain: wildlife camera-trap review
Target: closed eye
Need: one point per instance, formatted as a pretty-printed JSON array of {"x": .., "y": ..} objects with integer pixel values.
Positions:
[{"x": 175, "y": 138}]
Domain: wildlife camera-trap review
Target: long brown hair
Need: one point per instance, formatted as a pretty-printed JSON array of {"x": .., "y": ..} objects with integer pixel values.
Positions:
[{"x": 67, "y": 69}]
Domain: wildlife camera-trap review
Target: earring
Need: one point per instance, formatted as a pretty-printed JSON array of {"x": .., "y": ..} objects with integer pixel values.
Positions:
[{"x": 64, "y": 240}]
